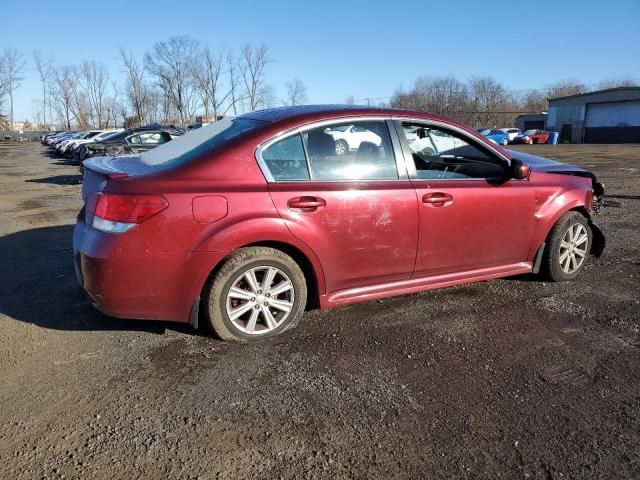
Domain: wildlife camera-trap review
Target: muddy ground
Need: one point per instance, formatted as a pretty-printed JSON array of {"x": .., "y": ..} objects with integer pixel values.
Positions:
[{"x": 513, "y": 378}]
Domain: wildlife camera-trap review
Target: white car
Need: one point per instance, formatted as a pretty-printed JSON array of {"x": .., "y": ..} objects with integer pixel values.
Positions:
[
  {"x": 511, "y": 133},
  {"x": 349, "y": 137},
  {"x": 66, "y": 144},
  {"x": 94, "y": 138},
  {"x": 431, "y": 142}
]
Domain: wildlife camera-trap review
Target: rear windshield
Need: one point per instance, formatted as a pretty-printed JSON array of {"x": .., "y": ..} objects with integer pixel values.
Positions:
[{"x": 196, "y": 142}]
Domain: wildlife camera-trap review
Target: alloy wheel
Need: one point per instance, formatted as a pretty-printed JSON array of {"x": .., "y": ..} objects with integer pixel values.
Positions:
[
  {"x": 573, "y": 248},
  {"x": 340, "y": 148},
  {"x": 260, "y": 300}
]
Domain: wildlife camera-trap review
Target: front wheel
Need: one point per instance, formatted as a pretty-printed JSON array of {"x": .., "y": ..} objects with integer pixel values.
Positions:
[
  {"x": 505, "y": 142},
  {"x": 258, "y": 292},
  {"x": 567, "y": 248}
]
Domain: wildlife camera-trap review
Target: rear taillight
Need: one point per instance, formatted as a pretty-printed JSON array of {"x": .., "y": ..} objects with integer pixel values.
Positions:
[{"x": 117, "y": 213}]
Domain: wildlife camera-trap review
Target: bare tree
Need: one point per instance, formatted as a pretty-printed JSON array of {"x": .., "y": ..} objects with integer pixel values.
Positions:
[
  {"x": 171, "y": 62},
  {"x": 252, "y": 65},
  {"x": 96, "y": 80},
  {"x": 565, "y": 88},
  {"x": 208, "y": 72},
  {"x": 535, "y": 101},
  {"x": 488, "y": 97},
  {"x": 232, "y": 72},
  {"x": 296, "y": 92},
  {"x": 349, "y": 100},
  {"x": 442, "y": 95},
  {"x": 135, "y": 90},
  {"x": 625, "y": 81},
  {"x": 65, "y": 93},
  {"x": 44, "y": 68},
  {"x": 12, "y": 68}
]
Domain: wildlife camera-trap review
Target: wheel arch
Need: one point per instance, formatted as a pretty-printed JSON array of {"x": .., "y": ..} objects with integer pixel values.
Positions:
[
  {"x": 308, "y": 263},
  {"x": 598, "y": 241},
  {"x": 311, "y": 275}
]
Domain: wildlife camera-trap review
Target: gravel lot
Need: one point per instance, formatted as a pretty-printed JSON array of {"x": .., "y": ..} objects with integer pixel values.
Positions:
[{"x": 513, "y": 378}]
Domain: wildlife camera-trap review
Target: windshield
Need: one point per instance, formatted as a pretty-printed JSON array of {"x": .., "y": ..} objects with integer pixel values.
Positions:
[
  {"x": 529, "y": 132},
  {"x": 197, "y": 142}
]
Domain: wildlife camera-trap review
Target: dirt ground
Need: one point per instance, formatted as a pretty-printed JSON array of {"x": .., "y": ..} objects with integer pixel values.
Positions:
[{"x": 513, "y": 378}]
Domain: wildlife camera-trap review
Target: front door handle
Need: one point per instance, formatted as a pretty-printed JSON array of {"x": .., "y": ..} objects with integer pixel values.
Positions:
[
  {"x": 437, "y": 199},
  {"x": 306, "y": 204}
]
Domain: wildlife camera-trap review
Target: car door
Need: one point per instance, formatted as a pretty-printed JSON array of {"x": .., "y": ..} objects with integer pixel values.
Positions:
[
  {"x": 472, "y": 215},
  {"x": 358, "y": 211}
]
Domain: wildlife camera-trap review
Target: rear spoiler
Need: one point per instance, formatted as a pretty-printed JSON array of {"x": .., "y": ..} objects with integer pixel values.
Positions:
[{"x": 106, "y": 166}]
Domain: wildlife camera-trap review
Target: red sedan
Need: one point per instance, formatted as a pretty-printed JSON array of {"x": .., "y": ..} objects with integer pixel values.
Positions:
[
  {"x": 532, "y": 136},
  {"x": 244, "y": 223}
]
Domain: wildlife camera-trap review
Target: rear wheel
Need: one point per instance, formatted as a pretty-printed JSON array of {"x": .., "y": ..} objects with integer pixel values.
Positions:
[
  {"x": 505, "y": 142},
  {"x": 341, "y": 147},
  {"x": 259, "y": 292},
  {"x": 568, "y": 246}
]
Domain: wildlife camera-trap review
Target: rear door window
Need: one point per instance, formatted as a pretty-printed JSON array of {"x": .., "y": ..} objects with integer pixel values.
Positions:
[
  {"x": 362, "y": 152},
  {"x": 285, "y": 159}
]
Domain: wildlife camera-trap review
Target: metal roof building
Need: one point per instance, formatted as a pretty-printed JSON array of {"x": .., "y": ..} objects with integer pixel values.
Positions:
[{"x": 605, "y": 116}]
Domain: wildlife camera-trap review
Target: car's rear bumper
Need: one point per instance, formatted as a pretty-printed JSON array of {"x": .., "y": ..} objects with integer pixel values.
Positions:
[{"x": 124, "y": 279}]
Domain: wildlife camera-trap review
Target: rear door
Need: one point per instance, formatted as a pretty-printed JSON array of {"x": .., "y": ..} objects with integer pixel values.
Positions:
[
  {"x": 472, "y": 215},
  {"x": 357, "y": 211}
]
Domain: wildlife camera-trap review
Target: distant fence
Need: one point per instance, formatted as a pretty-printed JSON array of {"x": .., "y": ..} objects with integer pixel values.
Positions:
[{"x": 28, "y": 133}]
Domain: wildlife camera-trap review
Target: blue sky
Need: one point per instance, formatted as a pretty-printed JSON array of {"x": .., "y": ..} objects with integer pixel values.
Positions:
[{"x": 348, "y": 47}]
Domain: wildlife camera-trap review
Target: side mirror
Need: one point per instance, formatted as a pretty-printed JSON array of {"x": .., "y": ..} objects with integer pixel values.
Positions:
[{"x": 519, "y": 170}]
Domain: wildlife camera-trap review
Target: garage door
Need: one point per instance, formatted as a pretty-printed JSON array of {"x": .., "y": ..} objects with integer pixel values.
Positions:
[{"x": 612, "y": 122}]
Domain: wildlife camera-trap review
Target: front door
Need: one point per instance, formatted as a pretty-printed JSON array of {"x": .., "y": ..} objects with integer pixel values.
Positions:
[
  {"x": 472, "y": 215},
  {"x": 355, "y": 211}
]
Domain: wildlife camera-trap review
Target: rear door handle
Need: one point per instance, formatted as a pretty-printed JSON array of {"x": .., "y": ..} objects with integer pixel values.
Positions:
[
  {"x": 306, "y": 204},
  {"x": 437, "y": 199}
]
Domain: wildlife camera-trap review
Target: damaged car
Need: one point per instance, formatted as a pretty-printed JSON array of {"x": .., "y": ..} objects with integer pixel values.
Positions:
[
  {"x": 245, "y": 223},
  {"x": 126, "y": 142}
]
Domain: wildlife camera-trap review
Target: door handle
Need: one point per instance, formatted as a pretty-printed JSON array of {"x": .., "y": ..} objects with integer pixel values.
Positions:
[
  {"x": 437, "y": 199},
  {"x": 306, "y": 204}
]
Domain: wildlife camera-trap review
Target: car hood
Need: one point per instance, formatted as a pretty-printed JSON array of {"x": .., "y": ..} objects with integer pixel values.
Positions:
[{"x": 541, "y": 164}]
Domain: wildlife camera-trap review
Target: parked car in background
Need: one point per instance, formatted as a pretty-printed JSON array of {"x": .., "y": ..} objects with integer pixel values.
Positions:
[
  {"x": 64, "y": 146},
  {"x": 497, "y": 136},
  {"x": 52, "y": 140},
  {"x": 75, "y": 144},
  {"x": 131, "y": 141},
  {"x": 428, "y": 141},
  {"x": 244, "y": 222},
  {"x": 348, "y": 138},
  {"x": 531, "y": 137},
  {"x": 512, "y": 133}
]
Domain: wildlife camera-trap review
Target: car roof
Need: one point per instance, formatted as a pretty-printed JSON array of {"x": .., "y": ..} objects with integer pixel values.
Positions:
[{"x": 319, "y": 112}]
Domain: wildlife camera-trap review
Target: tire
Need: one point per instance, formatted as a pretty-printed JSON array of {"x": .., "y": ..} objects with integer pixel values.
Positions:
[
  {"x": 253, "y": 323},
  {"x": 553, "y": 263},
  {"x": 341, "y": 148},
  {"x": 505, "y": 142}
]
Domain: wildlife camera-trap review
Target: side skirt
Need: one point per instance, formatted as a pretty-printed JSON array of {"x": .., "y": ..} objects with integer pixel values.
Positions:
[{"x": 413, "y": 285}]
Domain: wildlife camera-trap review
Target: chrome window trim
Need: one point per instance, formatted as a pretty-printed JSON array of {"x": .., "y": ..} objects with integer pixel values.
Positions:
[
  {"x": 386, "y": 119},
  {"x": 411, "y": 167}
]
